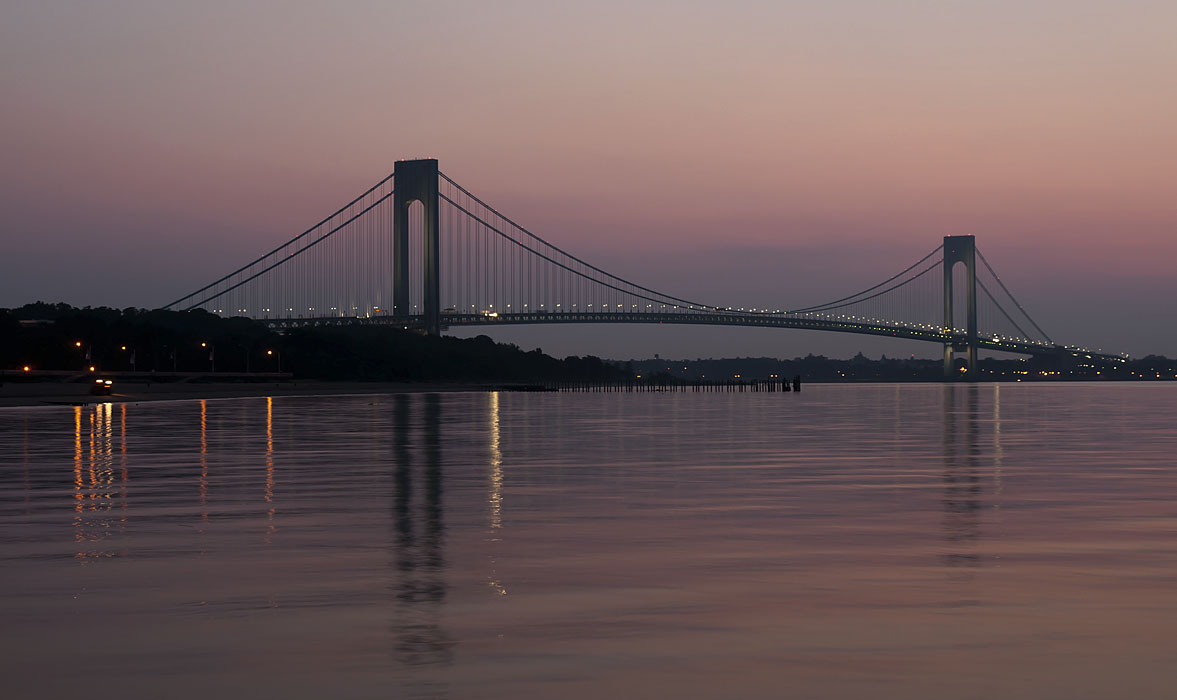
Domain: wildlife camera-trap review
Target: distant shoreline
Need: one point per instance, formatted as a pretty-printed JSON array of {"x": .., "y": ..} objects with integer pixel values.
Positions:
[
  {"x": 25, "y": 395},
  {"x": 16, "y": 395}
]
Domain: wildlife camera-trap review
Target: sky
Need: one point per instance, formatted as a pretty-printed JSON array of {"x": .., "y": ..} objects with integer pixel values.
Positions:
[{"x": 783, "y": 153}]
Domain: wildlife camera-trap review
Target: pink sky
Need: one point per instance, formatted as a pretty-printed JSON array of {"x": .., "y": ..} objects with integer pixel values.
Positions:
[{"x": 172, "y": 141}]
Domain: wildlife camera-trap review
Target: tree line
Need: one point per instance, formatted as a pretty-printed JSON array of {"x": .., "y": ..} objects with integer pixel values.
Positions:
[{"x": 62, "y": 337}]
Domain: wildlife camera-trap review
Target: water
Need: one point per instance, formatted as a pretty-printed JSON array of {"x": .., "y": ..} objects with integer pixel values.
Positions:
[{"x": 915, "y": 541}]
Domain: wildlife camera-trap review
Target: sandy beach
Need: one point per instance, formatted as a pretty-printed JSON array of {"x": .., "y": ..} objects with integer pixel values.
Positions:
[{"x": 14, "y": 394}]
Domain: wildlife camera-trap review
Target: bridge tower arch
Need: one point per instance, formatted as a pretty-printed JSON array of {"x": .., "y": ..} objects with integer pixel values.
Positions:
[
  {"x": 416, "y": 181},
  {"x": 963, "y": 250}
]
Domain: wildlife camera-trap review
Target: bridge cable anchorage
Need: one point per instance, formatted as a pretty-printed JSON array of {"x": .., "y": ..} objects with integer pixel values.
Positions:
[
  {"x": 310, "y": 230},
  {"x": 290, "y": 257},
  {"x": 659, "y": 298},
  {"x": 1011, "y": 296},
  {"x": 592, "y": 267},
  {"x": 871, "y": 289}
]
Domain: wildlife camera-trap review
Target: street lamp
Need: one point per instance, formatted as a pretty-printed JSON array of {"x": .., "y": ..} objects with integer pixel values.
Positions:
[
  {"x": 78, "y": 345},
  {"x": 271, "y": 353},
  {"x": 212, "y": 362}
]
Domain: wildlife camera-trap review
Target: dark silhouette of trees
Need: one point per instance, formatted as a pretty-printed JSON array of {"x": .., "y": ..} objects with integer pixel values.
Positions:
[{"x": 61, "y": 337}]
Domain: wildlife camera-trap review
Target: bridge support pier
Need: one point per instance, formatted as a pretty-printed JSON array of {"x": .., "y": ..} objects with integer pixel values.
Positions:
[
  {"x": 961, "y": 249},
  {"x": 416, "y": 181}
]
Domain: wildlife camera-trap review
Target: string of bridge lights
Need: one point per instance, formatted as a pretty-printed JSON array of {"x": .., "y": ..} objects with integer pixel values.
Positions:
[{"x": 534, "y": 264}]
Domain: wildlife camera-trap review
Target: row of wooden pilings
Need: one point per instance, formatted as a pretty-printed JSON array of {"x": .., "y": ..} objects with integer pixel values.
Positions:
[{"x": 734, "y": 385}]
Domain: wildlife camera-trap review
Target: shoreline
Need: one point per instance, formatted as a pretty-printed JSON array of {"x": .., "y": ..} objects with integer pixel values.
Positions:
[
  {"x": 43, "y": 395},
  {"x": 16, "y": 395}
]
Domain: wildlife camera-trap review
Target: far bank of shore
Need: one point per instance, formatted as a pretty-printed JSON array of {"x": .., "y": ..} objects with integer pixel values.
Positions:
[{"x": 13, "y": 394}]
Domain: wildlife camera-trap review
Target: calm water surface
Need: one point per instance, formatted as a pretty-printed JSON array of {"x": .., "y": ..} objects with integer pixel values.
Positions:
[{"x": 908, "y": 541}]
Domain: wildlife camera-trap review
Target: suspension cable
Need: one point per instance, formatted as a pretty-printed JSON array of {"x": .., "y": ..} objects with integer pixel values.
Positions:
[
  {"x": 272, "y": 252},
  {"x": 1011, "y": 296},
  {"x": 1025, "y": 335},
  {"x": 292, "y": 256},
  {"x": 659, "y": 298},
  {"x": 563, "y": 252},
  {"x": 880, "y": 284},
  {"x": 902, "y": 284}
]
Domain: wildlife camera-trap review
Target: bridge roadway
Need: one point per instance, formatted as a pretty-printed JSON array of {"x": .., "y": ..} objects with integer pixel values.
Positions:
[{"x": 714, "y": 318}]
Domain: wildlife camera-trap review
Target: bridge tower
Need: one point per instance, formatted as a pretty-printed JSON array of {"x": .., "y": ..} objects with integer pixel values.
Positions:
[
  {"x": 416, "y": 181},
  {"x": 961, "y": 249}
]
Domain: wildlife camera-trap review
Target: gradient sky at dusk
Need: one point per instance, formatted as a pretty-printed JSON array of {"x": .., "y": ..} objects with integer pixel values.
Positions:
[{"x": 746, "y": 153}]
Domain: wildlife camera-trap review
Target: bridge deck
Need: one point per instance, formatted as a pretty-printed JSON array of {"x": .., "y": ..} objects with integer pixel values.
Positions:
[{"x": 763, "y": 320}]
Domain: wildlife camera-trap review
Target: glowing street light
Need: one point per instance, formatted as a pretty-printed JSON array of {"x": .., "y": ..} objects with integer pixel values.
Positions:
[{"x": 212, "y": 362}]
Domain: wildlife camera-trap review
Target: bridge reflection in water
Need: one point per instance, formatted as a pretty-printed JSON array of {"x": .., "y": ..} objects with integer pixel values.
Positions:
[
  {"x": 419, "y": 533},
  {"x": 564, "y": 544}
]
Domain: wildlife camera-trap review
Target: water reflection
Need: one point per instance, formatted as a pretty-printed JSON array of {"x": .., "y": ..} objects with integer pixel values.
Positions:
[
  {"x": 495, "y": 498},
  {"x": 656, "y": 541},
  {"x": 203, "y": 467},
  {"x": 96, "y": 487},
  {"x": 25, "y": 463},
  {"x": 998, "y": 451},
  {"x": 419, "y": 589},
  {"x": 269, "y": 492},
  {"x": 495, "y": 492},
  {"x": 961, "y": 497}
]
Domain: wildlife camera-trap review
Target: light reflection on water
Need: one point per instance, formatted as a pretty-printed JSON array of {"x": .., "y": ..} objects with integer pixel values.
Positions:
[{"x": 902, "y": 540}]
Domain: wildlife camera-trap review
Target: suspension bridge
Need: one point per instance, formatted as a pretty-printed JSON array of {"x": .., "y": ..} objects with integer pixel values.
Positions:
[{"x": 457, "y": 261}]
